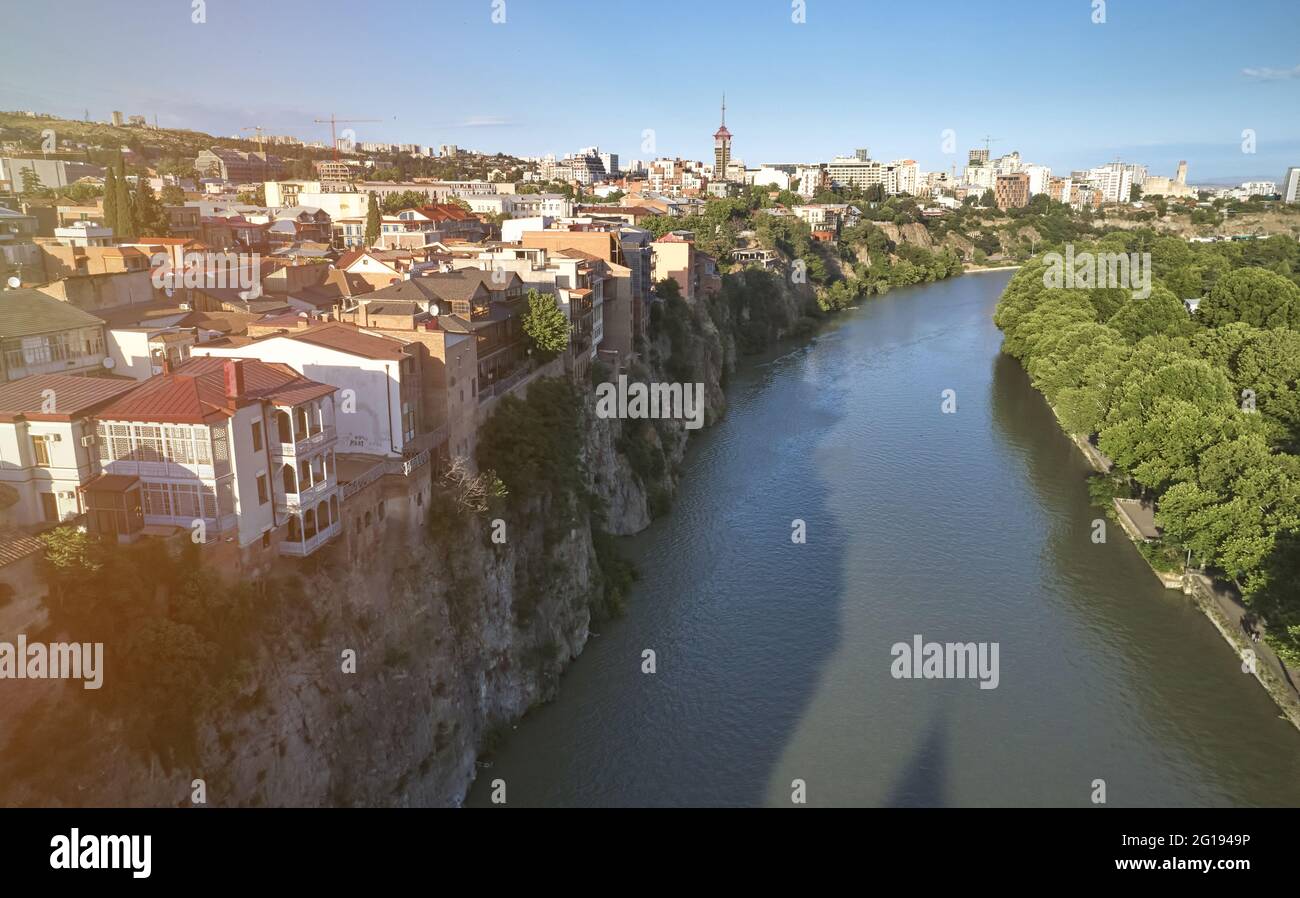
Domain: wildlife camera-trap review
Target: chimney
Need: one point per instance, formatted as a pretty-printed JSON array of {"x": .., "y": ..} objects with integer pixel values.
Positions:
[{"x": 234, "y": 371}]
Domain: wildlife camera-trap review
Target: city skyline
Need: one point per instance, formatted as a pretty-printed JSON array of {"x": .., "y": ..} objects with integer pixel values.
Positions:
[{"x": 1049, "y": 101}]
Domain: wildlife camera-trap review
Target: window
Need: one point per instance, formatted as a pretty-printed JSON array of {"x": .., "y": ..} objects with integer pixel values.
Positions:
[
  {"x": 263, "y": 495},
  {"x": 257, "y": 436},
  {"x": 148, "y": 442},
  {"x": 266, "y": 539},
  {"x": 41, "y": 450}
]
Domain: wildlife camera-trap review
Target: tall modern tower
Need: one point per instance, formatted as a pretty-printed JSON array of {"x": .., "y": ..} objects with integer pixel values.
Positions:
[{"x": 721, "y": 146}]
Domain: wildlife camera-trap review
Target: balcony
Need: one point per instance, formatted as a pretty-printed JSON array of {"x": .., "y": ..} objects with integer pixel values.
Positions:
[
  {"x": 326, "y": 436},
  {"x": 305, "y": 546},
  {"x": 294, "y": 503}
]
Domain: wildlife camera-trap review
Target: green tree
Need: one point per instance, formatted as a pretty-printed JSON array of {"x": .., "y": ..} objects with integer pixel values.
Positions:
[
  {"x": 545, "y": 324},
  {"x": 149, "y": 213},
  {"x": 32, "y": 185},
  {"x": 1253, "y": 295},
  {"x": 407, "y": 199},
  {"x": 1159, "y": 313},
  {"x": 124, "y": 228},
  {"x": 110, "y": 199},
  {"x": 372, "y": 222}
]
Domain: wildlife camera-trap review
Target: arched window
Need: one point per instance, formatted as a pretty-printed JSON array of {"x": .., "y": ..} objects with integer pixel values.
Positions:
[
  {"x": 309, "y": 523},
  {"x": 290, "y": 482},
  {"x": 284, "y": 426},
  {"x": 300, "y": 420},
  {"x": 334, "y": 508},
  {"x": 304, "y": 474},
  {"x": 323, "y": 515},
  {"x": 295, "y": 530},
  {"x": 367, "y": 519}
]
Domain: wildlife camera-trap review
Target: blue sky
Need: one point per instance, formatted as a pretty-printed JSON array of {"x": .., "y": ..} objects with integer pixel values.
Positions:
[{"x": 1158, "y": 81}]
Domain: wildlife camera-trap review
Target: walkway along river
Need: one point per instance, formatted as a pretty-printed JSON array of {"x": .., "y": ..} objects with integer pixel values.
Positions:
[{"x": 773, "y": 658}]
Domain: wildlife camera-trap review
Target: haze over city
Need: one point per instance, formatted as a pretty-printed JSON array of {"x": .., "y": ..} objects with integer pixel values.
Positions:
[{"x": 1155, "y": 83}]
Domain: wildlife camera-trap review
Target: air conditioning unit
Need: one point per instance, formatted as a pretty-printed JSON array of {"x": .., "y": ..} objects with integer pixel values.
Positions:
[
  {"x": 88, "y": 440},
  {"x": 55, "y": 438}
]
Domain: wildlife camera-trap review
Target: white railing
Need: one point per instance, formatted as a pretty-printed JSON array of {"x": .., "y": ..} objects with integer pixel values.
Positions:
[
  {"x": 323, "y": 437},
  {"x": 311, "y": 544},
  {"x": 308, "y": 498}
]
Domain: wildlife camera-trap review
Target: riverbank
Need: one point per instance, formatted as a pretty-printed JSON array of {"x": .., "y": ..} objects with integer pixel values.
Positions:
[
  {"x": 1224, "y": 610},
  {"x": 772, "y": 657},
  {"x": 977, "y": 269}
]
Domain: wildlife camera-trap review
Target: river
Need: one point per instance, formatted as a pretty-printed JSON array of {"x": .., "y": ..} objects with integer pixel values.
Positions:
[{"x": 773, "y": 658}]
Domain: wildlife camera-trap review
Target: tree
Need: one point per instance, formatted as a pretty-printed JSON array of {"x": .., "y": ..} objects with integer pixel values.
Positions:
[
  {"x": 255, "y": 197},
  {"x": 1159, "y": 313},
  {"x": 1257, "y": 297},
  {"x": 149, "y": 213},
  {"x": 124, "y": 227},
  {"x": 545, "y": 324},
  {"x": 172, "y": 196},
  {"x": 32, "y": 185},
  {"x": 407, "y": 199},
  {"x": 110, "y": 199},
  {"x": 372, "y": 222}
]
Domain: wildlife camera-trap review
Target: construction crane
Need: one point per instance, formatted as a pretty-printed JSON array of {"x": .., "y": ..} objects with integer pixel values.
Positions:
[
  {"x": 332, "y": 122},
  {"x": 258, "y": 130}
]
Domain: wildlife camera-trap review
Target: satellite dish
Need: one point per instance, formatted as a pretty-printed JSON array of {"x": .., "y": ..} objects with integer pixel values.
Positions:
[
  {"x": 15, "y": 283},
  {"x": 109, "y": 362},
  {"x": 433, "y": 309},
  {"x": 168, "y": 290}
]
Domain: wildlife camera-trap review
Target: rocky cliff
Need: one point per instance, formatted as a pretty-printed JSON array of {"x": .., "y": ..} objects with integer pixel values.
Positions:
[{"x": 387, "y": 668}]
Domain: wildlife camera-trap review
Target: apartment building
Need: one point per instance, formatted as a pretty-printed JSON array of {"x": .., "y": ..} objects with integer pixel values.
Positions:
[
  {"x": 1290, "y": 189},
  {"x": 856, "y": 172},
  {"x": 487, "y": 305},
  {"x": 237, "y": 166},
  {"x": 673, "y": 256},
  {"x": 233, "y": 450},
  {"x": 1011, "y": 191},
  {"x": 446, "y": 349},
  {"x": 51, "y": 172},
  {"x": 378, "y": 378},
  {"x": 41, "y": 335},
  {"x": 46, "y": 444},
  {"x": 830, "y": 217}
]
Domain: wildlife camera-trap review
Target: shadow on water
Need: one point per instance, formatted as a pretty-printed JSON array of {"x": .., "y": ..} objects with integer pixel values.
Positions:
[
  {"x": 742, "y": 622},
  {"x": 924, "y": 780}
]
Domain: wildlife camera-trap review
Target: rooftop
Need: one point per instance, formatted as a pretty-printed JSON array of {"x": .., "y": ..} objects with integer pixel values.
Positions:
[
  {"x": 195, "y": 393},
  {"x": 24, "y": 312},
  {"x": 68, "y": 395}
]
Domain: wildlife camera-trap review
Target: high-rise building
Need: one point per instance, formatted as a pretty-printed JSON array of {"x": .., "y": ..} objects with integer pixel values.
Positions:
[
  {"x": 1012, "y": 191},
  {"x": 978, "y": 157},
  {"x": 721, "y": 146},
  {"x": 1291, "y": 185}
]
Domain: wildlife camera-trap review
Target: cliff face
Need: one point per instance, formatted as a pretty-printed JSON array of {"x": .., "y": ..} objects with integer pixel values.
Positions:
[{"x": 454, "y": 636}]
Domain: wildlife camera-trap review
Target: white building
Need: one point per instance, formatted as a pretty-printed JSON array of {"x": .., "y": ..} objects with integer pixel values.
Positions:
[
  {"x": 1039, "y": 177},
  {"x": 229, "y": 449},
  {"x": 375, "y": 375},
  {"x": 1291, "y": 185},
  {"x": 47, "y": 444}
]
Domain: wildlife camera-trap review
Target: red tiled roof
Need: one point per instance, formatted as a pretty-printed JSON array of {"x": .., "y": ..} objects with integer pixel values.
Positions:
[
  {"x": 195, "y": 393},
  {"x": 70, "y": 396},
  {"x": 347, "y": 338}
]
